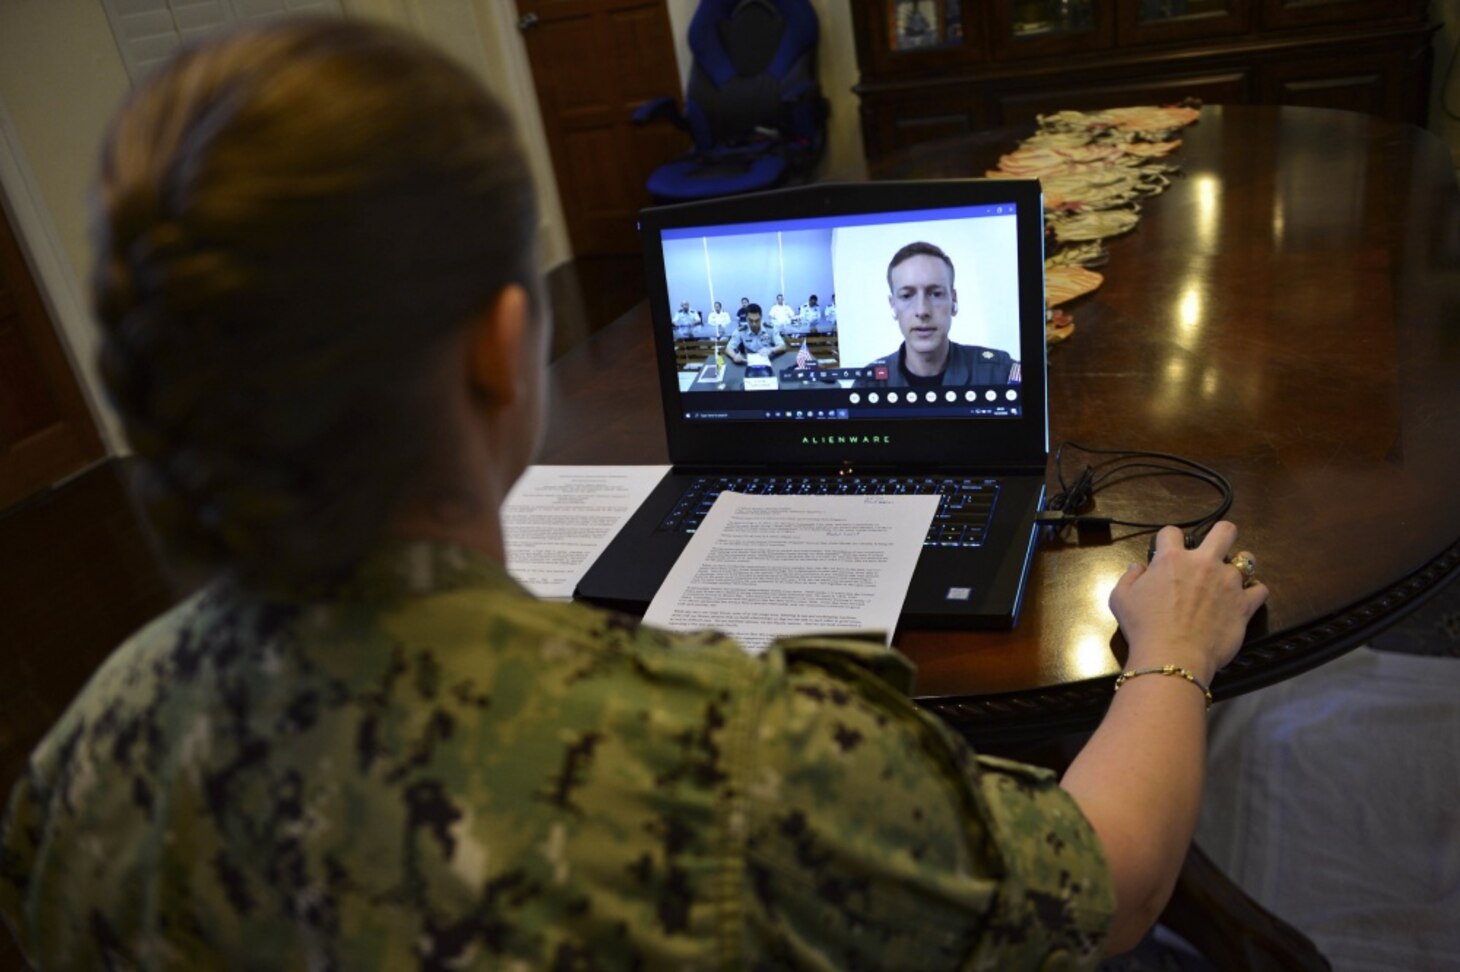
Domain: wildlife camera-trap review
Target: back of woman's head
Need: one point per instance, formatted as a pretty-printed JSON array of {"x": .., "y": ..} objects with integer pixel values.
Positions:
[{"x": 292, "y": 222}]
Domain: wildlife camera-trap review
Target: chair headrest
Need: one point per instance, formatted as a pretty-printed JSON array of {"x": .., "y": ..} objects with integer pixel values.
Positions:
[{"x": 751, "y": 37}]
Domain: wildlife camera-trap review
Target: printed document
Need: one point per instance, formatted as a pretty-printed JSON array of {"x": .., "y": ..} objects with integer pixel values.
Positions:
[
  {"x": 557, "y": 520},
  {"x": 761, "y": 567}
]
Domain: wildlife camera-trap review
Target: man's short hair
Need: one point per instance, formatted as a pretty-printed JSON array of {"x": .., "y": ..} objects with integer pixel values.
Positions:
[
  {"x": 812, "y": 299},
  {"x": 918, "y": 249},
  {"x": 754, "y": 309}
]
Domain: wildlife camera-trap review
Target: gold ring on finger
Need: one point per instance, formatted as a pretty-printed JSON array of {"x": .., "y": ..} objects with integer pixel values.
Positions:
[{"x": 1246, "y": 566}]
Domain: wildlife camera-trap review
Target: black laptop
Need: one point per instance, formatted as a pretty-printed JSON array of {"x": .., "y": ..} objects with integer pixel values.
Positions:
[{"x": 919, "y": 367}]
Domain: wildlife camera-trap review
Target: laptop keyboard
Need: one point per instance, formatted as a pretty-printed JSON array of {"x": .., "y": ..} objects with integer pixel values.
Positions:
[{"x": 962, "y": 519}]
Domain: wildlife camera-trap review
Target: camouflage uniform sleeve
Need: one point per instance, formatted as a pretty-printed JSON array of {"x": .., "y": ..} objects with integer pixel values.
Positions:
[
  {"x": 876, "y": 839},
  {"x": 19, "y": 823}
]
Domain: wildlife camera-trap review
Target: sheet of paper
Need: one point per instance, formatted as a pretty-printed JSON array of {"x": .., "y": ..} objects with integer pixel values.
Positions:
[
  {"x": 557, "y": 519},
  {"x": 761, "y": 567}
]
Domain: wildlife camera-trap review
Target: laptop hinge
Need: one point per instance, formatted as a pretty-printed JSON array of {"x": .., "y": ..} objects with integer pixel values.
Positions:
[
  {"x": 908, "y": 469},
  {"x": 860, "y": 469}
]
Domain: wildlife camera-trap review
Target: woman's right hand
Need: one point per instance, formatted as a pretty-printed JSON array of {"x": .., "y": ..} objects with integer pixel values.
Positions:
[{"x": 1188, "y": 607}]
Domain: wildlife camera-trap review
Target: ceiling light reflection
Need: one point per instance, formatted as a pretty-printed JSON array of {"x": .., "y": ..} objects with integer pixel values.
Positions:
[
  {"x": 1092, "y": 656},
  {"x": 1101, "y": 585},
  {"x": 1208, "y": 210},
  {"x": 1189, "y": 309}
]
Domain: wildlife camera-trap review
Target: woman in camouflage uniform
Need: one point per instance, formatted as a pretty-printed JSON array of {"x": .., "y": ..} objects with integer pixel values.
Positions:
[{"x": 362, "y": 745}]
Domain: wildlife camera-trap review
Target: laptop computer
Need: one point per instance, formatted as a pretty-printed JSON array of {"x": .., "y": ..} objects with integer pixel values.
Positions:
[{"x": 921, "y": 370}]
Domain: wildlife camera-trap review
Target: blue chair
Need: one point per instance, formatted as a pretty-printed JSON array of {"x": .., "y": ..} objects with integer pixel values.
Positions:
[{"x": 753, "y": 107}]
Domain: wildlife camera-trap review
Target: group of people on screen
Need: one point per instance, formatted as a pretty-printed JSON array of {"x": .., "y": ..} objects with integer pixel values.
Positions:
[{"x": 811, "y": 318}]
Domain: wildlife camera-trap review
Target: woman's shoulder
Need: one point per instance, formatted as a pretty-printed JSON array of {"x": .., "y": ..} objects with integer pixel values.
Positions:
[{"x": 170, "y": 647}]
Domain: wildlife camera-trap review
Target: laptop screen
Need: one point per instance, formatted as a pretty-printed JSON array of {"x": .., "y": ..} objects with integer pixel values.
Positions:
[
  {"x": 902, "y": 316},
  {"x": 868, "y": 322}
]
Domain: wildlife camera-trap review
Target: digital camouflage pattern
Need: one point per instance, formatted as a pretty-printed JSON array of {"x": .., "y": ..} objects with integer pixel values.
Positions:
[{"x": 432, "y": 770}]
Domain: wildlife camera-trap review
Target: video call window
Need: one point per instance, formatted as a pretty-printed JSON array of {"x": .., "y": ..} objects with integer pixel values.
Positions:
[{"x": 948, "y": 320}]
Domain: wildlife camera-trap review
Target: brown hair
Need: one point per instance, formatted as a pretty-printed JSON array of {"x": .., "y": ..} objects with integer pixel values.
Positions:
[
  {"x": 917, "y": 249},
  {"x": 291, "y": 220}
]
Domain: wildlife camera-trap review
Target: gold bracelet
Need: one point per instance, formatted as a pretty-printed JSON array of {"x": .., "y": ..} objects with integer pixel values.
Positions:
[{"x": 1185, "y": 673}]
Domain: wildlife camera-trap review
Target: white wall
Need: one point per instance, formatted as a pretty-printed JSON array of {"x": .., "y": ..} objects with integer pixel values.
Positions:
[
  {"x": 844, "y": 159},
  {"x": 62, "y": 76}
]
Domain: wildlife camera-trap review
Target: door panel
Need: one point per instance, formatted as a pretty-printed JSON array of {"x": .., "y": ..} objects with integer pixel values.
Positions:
[
  {"x": 593, "y": 63},
  {"x": 644, "y": 52}
]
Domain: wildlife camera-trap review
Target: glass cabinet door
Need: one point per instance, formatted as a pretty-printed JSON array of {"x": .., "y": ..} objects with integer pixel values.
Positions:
[
  {"x": 922, "y": 25},
  {"x": 1164, "y": 11},
  {"x": 1157, "y": 20},
  {"x": 918, "y": 36},
  {"x": 1035, "y": 17},
  {"x": 1033, "y": 27}
]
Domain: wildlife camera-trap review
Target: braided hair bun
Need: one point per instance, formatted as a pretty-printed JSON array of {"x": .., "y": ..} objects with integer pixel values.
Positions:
[{"x": 291, "y": 221}]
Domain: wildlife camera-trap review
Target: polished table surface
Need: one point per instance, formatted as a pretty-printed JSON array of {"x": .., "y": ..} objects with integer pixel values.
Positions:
[{"x": 1288, "y": 312}]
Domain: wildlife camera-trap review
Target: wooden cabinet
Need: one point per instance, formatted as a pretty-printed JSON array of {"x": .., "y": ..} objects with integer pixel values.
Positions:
[{"x": 935, "y": 68}]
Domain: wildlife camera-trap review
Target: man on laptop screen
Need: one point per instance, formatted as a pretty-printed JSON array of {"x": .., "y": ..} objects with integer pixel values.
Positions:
[
  {"x": 755, "y": 337},
  {"x": 921, "y": 293}
]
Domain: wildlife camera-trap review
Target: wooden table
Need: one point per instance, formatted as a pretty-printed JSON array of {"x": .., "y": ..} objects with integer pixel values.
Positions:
[{"x": 1289, "y": 312}]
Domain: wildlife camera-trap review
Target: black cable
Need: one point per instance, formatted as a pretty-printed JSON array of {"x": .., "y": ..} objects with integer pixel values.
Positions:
[{"x": 1067, "y": 506}]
